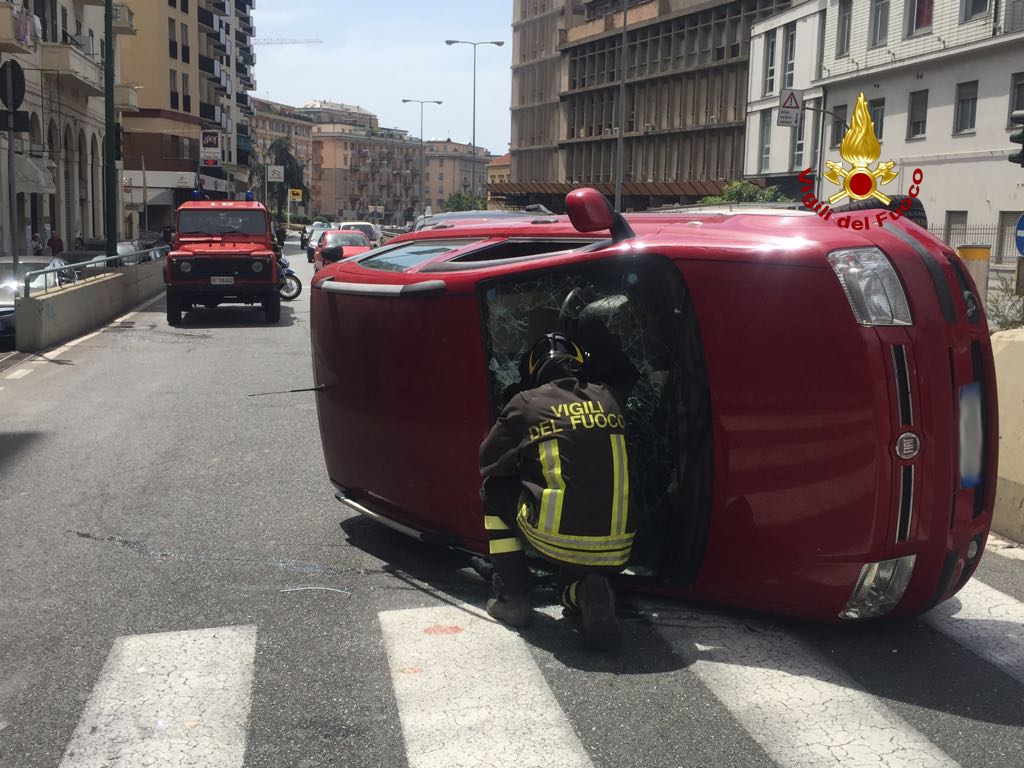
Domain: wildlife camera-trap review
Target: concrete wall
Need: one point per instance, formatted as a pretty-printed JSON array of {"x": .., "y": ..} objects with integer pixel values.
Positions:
[
  {"x": 47, "y": 319},
  {"x": 1008, "y": 347}
]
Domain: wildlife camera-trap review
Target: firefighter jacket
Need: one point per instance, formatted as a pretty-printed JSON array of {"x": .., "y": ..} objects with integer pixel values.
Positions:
[{"x": 566, "y": 442}]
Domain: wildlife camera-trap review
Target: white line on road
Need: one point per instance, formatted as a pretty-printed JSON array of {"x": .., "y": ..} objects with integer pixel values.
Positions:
[
  {"x": 803, "y": 711},
  {"x": 987, "y": 623},
  {"x": 19, "y": 373},
  {"x": 469, "y": 694},
  {"x": 174, "y": 699}
]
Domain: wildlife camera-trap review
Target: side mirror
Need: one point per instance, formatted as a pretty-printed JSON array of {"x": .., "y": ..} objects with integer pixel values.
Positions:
[
  {"x": 166, "y": 235},
  {"x": 590, "y": 211}
]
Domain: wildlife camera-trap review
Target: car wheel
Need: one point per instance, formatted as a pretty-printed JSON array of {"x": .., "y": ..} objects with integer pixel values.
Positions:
[
  {"x": 915, "y": 213},
  {"x": 173, "y": 310},
  {"x": 272, "y": 308}
]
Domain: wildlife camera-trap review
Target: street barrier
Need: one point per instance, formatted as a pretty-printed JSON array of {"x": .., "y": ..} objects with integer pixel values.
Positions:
[
  {"x": 52, "y": 311},
  {"x": 1008, "y": 349},
  {"x": 976, "y": 258}
]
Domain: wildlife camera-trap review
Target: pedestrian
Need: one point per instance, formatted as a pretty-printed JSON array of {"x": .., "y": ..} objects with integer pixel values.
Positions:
[
  {"x": 55, "y": 244},
  {"x": 556, "y": 477},
  {"x": 37, "y": 244},
  {"x": 79, "y": 244}
]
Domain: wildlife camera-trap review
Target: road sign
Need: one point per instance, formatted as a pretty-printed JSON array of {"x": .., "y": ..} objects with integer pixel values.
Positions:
[
  {"x": 275, "y": 173},
  {"x": 295, "y": 195},
  {"x": 12, "y": 98},
  {"x": 210, "y": 145},
  {"x": 790, "y": 105},
  {"x": 1020, "y": 235},
  {"x": 21, "y": 121}
]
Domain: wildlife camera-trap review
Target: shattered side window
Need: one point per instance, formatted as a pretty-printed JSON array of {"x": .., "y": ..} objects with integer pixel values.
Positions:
[{"x": 623, "y": 318}]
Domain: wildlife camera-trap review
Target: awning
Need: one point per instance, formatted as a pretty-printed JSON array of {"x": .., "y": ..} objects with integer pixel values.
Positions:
[{"x": 32, "y": 176}]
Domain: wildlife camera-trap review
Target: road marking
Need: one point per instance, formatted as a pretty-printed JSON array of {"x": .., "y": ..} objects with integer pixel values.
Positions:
[
  {"x": 987, "y": 623},
  {"x": 1004, "y": 547},
  {"x": 470, "y": 694},
  {"x": 19, "y": 373},
  {"x": 803, "y": 711},
  {"x": 174, "y": 699}
]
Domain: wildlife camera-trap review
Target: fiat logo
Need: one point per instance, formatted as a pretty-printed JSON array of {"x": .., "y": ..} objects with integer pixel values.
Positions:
[{"x": 908, "y": 445}]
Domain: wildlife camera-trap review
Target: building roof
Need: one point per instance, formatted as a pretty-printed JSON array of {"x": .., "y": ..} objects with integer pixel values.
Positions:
[
  {"x": 334, "y": 105},
  {"x": 505, "y": 159}
]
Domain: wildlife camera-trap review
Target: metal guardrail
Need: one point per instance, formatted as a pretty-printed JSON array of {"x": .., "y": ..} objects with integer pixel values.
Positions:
[{"x": 83, "y": 271}]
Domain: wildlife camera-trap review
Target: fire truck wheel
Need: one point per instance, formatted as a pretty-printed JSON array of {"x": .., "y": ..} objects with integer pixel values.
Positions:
[
  {"x": 272, "y": 307},
  {"x": 173, "y": 310}
]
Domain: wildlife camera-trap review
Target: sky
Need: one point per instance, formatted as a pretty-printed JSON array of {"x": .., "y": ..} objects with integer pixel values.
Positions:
[{"x": 377, "y": 52}]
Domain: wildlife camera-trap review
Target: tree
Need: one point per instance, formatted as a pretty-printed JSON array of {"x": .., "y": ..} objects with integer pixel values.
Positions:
[
  {"x": 460, "y": 201},
  {"x": 744, "y": 191},
  {"x": 280, "y": 153}
]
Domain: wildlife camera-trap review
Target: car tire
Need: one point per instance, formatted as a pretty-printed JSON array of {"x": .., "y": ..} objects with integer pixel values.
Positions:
[
  {"x": 916, "y": 213},
  {"x": 173, "y": 310},
  {"x": 272, "y": 308}
]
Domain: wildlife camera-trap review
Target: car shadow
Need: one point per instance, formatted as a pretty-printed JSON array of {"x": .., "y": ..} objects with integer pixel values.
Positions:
[
  {"x": 13, "y": 444},
  {"x": 235, "y": 316},
  {"x": 447, "y": 575}
]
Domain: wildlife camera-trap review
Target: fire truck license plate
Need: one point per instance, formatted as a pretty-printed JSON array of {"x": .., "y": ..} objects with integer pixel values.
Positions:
[{"x": 222, "y": 281}]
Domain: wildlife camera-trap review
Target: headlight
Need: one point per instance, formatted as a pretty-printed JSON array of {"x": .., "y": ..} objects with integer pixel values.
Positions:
[
  {"x": 872, "y": 286},
  {"x": 185, "y": 266},
  {"x": 257, "y": 266},
  {"x": 879, "y": 588}
]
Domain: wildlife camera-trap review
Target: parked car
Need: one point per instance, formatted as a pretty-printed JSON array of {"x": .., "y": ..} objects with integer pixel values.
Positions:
[
  {"x": 337, "y": 244},
  {"x": 313, "y": 238},
  {"x": 12, "y": 286},
  {"x": 812, "y": 412},
  {"x": 372, "y": 231}
]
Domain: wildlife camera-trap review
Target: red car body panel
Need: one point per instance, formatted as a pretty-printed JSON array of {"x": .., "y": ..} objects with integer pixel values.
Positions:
[{"x": 806, "y": 403}]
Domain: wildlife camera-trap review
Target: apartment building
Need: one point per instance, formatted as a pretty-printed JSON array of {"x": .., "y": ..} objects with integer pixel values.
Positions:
[
  {"x": 451, "y": 167},
  {"x": 190, "y": 65},
  {"x": 272, "y": 122},
  {"x": 59, "y": 161},
  {"x": 685, "y": 98},
  {"x": 499, "y": 172},
  {"x": 940, "y": 78}
]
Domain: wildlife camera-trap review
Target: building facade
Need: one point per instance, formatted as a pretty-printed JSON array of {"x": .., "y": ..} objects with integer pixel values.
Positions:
[
  {"x": 450, "y": 168},
  {"x": 940, "y": 78},
  {"x": 499, "y": 172},
  {"x": 190, "y": 66},
  {"x": 59, "y": 160},
  {"x": 273, "y": 122},
  {"x": 685, "y": 98}
]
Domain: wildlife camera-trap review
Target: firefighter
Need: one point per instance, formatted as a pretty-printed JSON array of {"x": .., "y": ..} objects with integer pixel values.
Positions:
[{"x": 556, "y": 478}]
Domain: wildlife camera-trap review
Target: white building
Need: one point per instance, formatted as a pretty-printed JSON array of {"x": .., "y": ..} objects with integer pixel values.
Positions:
[{"x": 941, "y": 78}]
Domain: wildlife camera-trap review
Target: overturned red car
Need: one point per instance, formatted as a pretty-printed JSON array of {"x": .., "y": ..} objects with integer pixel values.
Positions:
[{"x": 811, "y": 410}]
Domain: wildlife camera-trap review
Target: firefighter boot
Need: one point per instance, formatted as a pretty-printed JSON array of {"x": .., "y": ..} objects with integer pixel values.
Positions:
[
  {"x": 513, "y": 610},
  {"x": 596, "y": 603}
]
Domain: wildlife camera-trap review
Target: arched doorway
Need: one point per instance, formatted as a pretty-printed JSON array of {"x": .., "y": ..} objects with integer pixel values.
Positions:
[
  {"x": 67, "y": 224},
  {"x": 94, "y": 188},
  {"x": 54, "y": 156},
  {"x": 84, "y": 199}
]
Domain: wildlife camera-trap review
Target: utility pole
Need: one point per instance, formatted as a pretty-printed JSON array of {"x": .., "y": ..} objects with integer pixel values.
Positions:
[
  {"x": 421, "y": 102},
  {"x": 110, "y": 166},
  {"x": 620, "y": 142}
]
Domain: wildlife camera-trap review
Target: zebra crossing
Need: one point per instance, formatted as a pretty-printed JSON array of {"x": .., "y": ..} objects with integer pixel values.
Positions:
[{"x": 470, "y": 692}]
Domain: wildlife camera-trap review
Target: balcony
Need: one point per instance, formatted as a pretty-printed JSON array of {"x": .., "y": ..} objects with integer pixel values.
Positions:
[
  {"x": 61, "y": 61},
  {"x": 218, "y": 6},
  {"x": 126, "y": 98},
  {"x": 17, "y": 31},
  {"x": 242, "y": 99},
  {"x": 123, "y": 20},
  {"x": 209, "y": 66},
  {"x": 218, "y": 39},
  {"x": 209, "y": 112},
  {"x": 207, "y": 19}
]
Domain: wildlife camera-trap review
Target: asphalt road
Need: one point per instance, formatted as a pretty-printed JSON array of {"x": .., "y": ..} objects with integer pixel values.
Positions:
[{"x": 176, "y": 577}]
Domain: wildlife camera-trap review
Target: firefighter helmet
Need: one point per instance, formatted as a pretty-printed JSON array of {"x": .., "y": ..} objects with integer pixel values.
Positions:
[{"x": 553, "y": 346}]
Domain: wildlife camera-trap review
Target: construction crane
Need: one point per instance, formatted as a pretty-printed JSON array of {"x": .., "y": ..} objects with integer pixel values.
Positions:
[{"x": 283, "y": 41}]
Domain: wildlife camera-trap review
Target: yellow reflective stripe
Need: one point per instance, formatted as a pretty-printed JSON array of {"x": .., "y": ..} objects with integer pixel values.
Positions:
[
  {"x": 612, "y": 558},
  {"x": 501, "y": 546},
  {"x": 494, "y": 523},
  {"x": 551, "y": 497},
  {"x": 620, "y": 485},
  {"x": 579, "y": 542}
]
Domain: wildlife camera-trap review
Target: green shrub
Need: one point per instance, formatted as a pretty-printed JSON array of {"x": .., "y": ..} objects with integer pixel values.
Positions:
[{"x": 1005, "y": 308}]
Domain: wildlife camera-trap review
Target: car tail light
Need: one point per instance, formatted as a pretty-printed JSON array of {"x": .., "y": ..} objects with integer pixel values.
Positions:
[
  {"x": 880, "y": 588},
  {"x": 871, "y": 286}
]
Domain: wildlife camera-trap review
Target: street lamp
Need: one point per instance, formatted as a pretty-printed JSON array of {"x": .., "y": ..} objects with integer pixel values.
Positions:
[
  {"x": 499, "y": 43},
  {"x": 421, "y": 102}
]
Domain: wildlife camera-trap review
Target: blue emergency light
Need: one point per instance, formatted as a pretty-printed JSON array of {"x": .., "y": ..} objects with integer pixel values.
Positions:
[
  {"x": 197, "y": 195},
  {"x": 249, "y": 197}
]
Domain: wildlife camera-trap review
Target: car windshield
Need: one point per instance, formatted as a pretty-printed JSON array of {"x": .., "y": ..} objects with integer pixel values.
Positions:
[
  {"x": 406, "y": 255},
  {"x": 221, "y": 222},
  {"x": 345, "y": 238},
  {"x": 11, "y": 283},
  {"x": 366, "y": 229}
]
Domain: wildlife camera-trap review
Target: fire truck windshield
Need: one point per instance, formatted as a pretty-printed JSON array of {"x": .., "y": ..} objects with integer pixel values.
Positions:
[{"x": 221, "y": 222}]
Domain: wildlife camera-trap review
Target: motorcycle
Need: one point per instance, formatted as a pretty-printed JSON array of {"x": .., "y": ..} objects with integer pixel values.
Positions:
[{"x": 289, "y": 286}]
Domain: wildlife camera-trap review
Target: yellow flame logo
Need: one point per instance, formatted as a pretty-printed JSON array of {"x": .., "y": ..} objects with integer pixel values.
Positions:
[{"x": 860, "y": 148}]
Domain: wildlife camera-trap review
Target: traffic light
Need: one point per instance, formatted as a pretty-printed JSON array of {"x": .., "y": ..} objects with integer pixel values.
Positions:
[
  {"x": 118, "y": 142},
  {"x": 1017, "y": 137}
]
